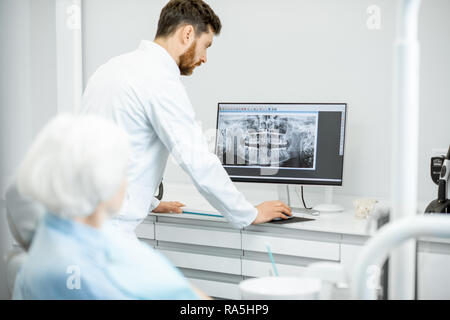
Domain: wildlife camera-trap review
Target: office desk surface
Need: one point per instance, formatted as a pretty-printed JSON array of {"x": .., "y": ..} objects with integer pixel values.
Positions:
[{"x": 341, "y": 222}]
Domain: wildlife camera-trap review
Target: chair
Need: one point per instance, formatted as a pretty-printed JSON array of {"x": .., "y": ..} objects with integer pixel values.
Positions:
[{"x": 23, "y": 216}]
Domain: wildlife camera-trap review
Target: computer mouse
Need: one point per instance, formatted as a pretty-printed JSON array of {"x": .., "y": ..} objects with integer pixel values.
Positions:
[{"x": 278, "y": 219}]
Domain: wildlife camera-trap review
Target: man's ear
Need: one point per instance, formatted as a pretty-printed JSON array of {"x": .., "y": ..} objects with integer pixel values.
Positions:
[{"x": 187, "y": 35}]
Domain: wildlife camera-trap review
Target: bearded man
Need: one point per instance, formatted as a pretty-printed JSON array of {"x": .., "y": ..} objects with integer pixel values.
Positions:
[{"x": 142, "y": 92}]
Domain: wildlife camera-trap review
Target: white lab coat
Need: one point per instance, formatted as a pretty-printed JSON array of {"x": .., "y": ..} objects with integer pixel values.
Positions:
[{"x": 142, "y": 92}]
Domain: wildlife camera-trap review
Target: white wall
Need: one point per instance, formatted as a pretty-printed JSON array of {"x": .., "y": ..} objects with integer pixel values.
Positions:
[
  {"x": 302, "y": 51},
  {"x": 435, "y": 82},
  {"x": 27, "y": 89}
]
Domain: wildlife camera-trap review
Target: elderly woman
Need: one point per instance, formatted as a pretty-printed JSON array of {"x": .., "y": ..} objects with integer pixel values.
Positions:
[{"x": 76, "y": 168}]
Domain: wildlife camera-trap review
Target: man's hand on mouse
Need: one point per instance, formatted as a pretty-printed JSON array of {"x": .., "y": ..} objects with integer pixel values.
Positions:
[
  {"x": 269, "y": 210},
  {"x": 169, "y": 207}
]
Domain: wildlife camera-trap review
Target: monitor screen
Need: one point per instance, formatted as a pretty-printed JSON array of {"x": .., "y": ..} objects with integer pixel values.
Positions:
[{"x": 292, "y": 143}]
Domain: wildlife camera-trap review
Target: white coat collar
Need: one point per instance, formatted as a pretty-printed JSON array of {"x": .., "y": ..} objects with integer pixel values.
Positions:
[{"x": 152, "y": 47}]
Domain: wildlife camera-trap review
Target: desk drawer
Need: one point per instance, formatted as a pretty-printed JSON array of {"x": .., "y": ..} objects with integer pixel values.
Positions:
[
  {"x": 145, "y": 230},
  {"x": 251, "y": 268},
  {"x": 214, "y": 237},
  {"x": 217, "y": 289},
  {"x": 290, "y": 246},
  {"x": 203, "y": 262}
]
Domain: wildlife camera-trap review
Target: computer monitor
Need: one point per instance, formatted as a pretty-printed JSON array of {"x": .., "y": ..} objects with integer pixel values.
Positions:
[{"x": 284, "y": 143}]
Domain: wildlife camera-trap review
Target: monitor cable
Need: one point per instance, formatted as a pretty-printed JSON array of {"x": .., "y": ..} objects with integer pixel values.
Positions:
[{"x": 303, "y": 198}]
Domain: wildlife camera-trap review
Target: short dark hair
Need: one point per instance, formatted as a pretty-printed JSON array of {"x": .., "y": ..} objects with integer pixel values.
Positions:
[{"x": 194, "y": 12}]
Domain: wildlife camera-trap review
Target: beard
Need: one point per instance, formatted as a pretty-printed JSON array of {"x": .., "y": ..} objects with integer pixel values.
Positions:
[{"x": 187, "y": 64}]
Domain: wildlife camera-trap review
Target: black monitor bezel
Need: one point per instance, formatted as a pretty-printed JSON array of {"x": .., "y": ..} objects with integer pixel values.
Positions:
[{"x": 287, "y": 181}]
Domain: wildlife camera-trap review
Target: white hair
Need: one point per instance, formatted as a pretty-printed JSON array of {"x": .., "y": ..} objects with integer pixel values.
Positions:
[{"x": 75, "y": 163}]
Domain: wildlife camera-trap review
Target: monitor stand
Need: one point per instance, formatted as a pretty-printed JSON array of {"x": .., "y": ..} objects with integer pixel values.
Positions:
[{"x": 329, "y": 206}]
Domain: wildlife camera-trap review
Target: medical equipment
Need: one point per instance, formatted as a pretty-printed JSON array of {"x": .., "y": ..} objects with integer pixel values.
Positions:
[
  {"x": 360, "y": 281},
  {"x": 336, "y": 281},
  {"x": 442, "y": 203},
  {"x": 389, "y": 237},
  {"x": 283, "y": 143},
  {"x": 436, "y": 167},
  {"x": 405, "y": 137}
]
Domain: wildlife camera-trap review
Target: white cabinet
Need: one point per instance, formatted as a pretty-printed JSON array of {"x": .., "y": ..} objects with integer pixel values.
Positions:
[
  {"x": 349, "y": 254},
  {"x": 217, "y": 289},
  {"x": 290, "y": 246},
  {"x": 433, "y": 271},
  {"x": 205, "y": 262},
  {"x": 146, "y": 230},
  {"x": 251, "y": 268},
  {"x": 205, "y": 236},
  {"x": 216, "y": 258}
]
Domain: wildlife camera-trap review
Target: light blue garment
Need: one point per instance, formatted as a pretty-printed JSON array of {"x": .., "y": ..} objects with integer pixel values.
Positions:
[{"x": 104, "y": 262}]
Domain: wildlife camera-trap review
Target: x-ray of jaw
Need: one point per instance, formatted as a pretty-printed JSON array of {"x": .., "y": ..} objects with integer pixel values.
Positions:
[{"x": 268, "y": 140}]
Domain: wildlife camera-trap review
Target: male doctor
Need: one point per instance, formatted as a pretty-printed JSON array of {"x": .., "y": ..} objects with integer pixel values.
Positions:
[{"x": 142, "y": 92}]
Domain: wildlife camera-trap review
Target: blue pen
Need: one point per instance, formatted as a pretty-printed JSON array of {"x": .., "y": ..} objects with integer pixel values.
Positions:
[
  {"x": 204, "y": 214},
  {"x": 272, "y": 260}
]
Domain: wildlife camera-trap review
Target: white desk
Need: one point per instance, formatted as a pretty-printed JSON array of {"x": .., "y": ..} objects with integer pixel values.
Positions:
[{"x": 216, "y": 257}]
